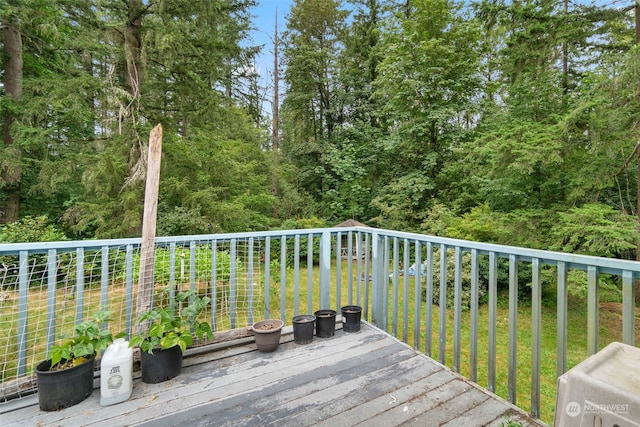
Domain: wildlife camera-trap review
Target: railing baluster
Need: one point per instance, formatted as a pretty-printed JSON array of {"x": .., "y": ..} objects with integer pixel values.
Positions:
[
  {"x": 310, "y": 275},
  {"x": 250, "y": 282},
  {"x": 104, "y": 277},
  {"x": 457, "y": 308},
  {"x": 233, "y": 282},
  {"x": 493, "y": 307},
  {"x": 513, "y": 327},
  {"x": 377, "y": 297},
  {"x": 325, "y": 271},
  {"x": 536, "y": 331},
  {"x": 79, "y": 284},
  {"x": 359, "y": 275},
  {"x": 473, "y": 327},
  {"x": 592, "y": 310},
  {"x": 561, "y": 320},
  {"x": 443, "y": 305},
  {"x": 350, "y": 266},
  {"x": 384, "y": 279},
  {"x": 416, "y": 295},
  {"x": 52, "y": 271},
  {"x": 339, "y": 270},
  {"x": 296, "y": 275},
  {"x": 367, "y": 270},
  {"x": 628, "y": 314},
  {"x": 405, "y": 290},
  {"x": 394, "y": 280},
  {"x": 128, "y": 287},
  {"x": 214, "y": 279},
  {"x": 192, "y": 269},
  {"x": 429, "y": 301},
  {"x": 267, "y": 278},
  {"x": 173, "y": 249},
  {"x": 283, "y": 277},
  {"x": 23, "y": 311}
]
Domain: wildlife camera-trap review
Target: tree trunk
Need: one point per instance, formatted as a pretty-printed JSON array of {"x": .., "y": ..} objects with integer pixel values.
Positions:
[
  {"x": 11, "y": 173},
  {"x": 132, "y": 47},
  {"x": 276, "y": 81}
]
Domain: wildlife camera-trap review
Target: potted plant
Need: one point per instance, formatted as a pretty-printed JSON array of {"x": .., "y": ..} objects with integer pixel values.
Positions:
[
  {"x": 66, "y": 377},
  {"x": 267, "y": 334},
  {"x": 169, "y": 330}
]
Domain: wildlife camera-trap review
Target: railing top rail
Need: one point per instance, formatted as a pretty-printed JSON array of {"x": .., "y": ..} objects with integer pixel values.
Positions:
[{"x": 605, "y": 265}]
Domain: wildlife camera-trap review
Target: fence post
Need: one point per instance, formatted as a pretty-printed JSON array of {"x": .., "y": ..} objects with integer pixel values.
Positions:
[
  {"x": 325, "y": 269},
  {"x": 377, "y": 296}
]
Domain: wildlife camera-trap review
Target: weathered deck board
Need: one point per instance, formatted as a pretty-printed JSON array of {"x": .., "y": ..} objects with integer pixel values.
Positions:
[{"x": 366, "y": 378}]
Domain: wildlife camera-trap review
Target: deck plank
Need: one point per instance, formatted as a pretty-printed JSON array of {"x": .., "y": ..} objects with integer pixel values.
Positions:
[{"x": 366, "y": 378}]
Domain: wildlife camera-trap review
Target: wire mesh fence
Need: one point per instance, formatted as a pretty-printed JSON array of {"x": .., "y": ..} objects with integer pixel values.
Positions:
[{"x": 45, "y": 294}]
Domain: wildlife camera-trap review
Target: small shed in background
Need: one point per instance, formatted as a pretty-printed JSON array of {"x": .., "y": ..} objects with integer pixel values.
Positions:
[{"x": 357, "y": 244}]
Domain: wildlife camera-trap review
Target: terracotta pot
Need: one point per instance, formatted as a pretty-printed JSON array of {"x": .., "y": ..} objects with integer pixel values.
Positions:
[{"x": 267, "y": 334}]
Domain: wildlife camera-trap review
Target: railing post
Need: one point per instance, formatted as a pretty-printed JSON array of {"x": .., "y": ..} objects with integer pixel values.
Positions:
[
  {"x": 377, "y": 297},
  {"x": 325, "y": 269}
]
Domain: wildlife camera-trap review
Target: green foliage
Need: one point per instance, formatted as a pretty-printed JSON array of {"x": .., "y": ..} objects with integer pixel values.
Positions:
[
  {"x": 30, "y": 229},
  {"x": 595, "y": 229},
  {"x": 302, "y": 224},
  {"x": 175, "y": 323},
  {"x": 465, "y": 294},
  {"x": 88, "y": 340},
  {"x": 162, "y": 265}
]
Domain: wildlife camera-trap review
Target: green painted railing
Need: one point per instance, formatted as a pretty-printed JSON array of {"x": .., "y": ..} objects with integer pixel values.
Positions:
[{"x": 417, "y": 287}]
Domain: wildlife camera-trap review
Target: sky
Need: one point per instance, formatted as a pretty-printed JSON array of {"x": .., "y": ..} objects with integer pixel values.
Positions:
[{"x": 264, "y": 21}]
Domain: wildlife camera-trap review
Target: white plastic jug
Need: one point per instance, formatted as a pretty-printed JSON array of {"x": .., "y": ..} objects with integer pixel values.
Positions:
[{"x": 116, "y": 371}]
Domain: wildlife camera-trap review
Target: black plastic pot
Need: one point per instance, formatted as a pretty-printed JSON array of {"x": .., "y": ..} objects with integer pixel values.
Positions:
[
  {"x": 303, "y": 326},
  {"x": 267, "y": 334},
  {"x": 325, "y": 323},
  {"x": 162, "y": 365},
  {"x": 62, "y": 389},
  {"x": 351, "y": 318}
]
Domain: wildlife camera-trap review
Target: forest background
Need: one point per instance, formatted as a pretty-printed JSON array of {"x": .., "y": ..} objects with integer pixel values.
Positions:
[{"x": 514, "y": 122}]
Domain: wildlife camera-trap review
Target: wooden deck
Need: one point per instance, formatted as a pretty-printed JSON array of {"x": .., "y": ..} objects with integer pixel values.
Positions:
[{"x": 364, "y": 378}]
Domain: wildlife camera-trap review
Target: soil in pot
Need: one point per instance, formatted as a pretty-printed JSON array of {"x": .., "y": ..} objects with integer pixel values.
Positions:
[
  {"x": 351, "y": 318},
  {"x": 162, "y": 365},
  {"x": 267, "y": 334},
  {"x": 64, "y": 388},
  {"x": 325, "y": 323},
  {"x": 303, "y": 326}
]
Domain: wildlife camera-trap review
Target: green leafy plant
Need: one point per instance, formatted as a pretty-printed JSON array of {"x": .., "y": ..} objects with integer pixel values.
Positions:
[
  {"x": 89, "y": 338},
  {"x": 173, "y": 324}
]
